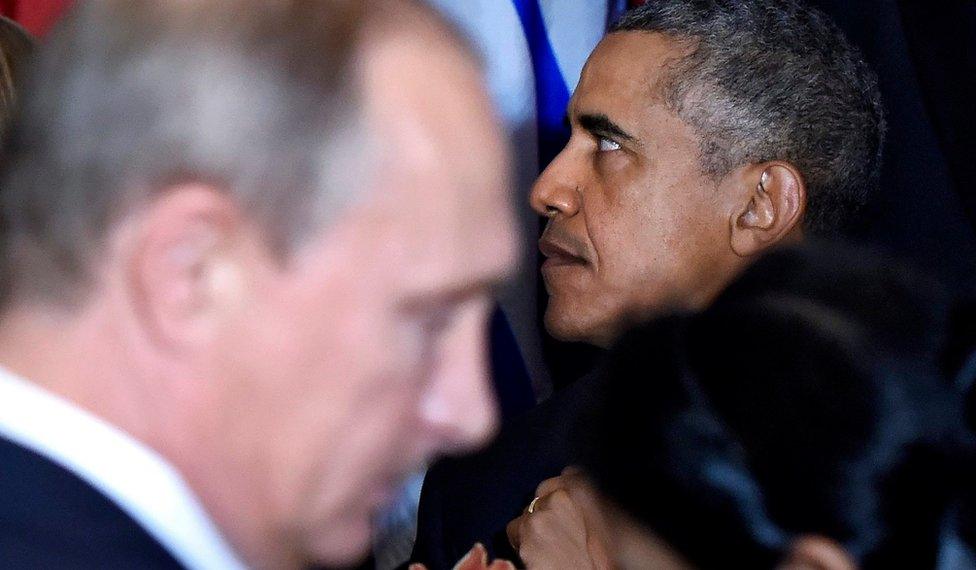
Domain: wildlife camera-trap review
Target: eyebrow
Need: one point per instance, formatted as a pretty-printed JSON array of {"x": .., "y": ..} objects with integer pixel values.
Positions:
[{"x": 600, "y": 125}]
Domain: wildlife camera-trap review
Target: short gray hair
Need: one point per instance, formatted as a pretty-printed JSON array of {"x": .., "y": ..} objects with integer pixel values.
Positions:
[
  {"x": 128, "y": 97},
  {"x": 769, "y": 80}
]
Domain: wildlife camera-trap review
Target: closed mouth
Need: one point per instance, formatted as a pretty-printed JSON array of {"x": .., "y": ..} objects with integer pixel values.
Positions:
[{"x": 558, "y": 254}]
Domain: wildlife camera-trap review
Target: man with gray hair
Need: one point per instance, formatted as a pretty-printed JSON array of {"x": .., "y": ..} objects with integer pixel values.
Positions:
[
  {"x": 245, "y": 282},
  {"x": 704, "y": 133}
]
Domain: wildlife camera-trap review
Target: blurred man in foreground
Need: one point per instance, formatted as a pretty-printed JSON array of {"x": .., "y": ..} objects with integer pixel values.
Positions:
[
  {"x": 244, "y": 282},
  {"x": 703, "y": 136}
]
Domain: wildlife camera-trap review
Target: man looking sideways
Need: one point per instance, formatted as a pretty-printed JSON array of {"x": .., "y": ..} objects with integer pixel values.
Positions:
[
  {"x": 244, "y": 288},
  {"x": 703, "y": 134}
]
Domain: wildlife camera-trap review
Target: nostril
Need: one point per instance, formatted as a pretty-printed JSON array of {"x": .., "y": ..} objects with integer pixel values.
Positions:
[{"x": 551, "y": 211}]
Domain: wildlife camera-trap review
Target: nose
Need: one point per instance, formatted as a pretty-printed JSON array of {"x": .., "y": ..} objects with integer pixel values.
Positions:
[
  {"x": 556, "y": 192},
  {"x": 459, "y": 409}
]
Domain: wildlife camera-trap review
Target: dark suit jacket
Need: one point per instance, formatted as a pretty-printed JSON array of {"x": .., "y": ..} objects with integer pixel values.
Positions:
[
  {"x": 49, "y": 518},
  {"x": 471, "y": 499}
]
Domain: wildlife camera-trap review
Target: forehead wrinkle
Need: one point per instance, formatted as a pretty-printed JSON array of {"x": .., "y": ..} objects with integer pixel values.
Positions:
[
  {"x": 671, "y": 57},
  {"x": 653, "y": 69},
  {"x": 577, "y": 112},
  {"x": 647, "y": 91}
]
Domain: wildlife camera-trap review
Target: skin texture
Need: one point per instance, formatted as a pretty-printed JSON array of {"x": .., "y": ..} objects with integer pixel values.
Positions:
[
  {"x": 635, "y": 227},
  {"x": 565, "y": 529},
  {"x": 293, "y": 394},
  {"x": 573, "y": 526}
]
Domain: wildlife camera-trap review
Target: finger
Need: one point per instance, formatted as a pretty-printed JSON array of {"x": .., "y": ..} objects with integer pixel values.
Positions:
[
  {"x": 560, "y": 500},
  {"x": 586, "y": 499},
  {"x": 470, "y": 561},
  {"x": 501, "y": 565},
  {"x": 481, "y": 554},
  {"x": 573, "y": 477},
  {"x": 530, "y": 508},
  {"x": 572, "y": 471},
  {"x": 514, "y": 531},
  {"x": 582, "y": 491},
  {"x": 599, "y": 552},
  {"x": 549, "y": 486}
]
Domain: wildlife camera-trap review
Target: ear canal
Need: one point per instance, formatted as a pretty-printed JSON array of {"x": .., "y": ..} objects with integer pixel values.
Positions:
[{"x": 749, "y": 217}]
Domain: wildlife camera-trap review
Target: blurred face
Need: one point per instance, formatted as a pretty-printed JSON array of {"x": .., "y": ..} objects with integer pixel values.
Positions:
[
  {"x": 365, "y": 353},
  {"x": 634, "y": 225}
]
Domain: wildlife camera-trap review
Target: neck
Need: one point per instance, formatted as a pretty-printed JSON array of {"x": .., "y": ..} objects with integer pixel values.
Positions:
[
  {"x": 53, "y": 347},
  {"x": 92, "y": 357}
]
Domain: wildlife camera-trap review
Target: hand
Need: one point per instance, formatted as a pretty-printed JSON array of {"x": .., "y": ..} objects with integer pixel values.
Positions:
[
  {"x": 475, "y": 559},
  {"x": 565, "y": 528}
]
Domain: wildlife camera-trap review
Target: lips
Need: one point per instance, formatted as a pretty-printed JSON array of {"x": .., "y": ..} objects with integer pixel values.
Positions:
[{"x": 559, "y": 253}]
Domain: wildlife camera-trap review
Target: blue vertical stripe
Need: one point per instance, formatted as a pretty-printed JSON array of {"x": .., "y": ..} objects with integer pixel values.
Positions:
[
  {"x": 551, "y": 92},
  {"x": 615, "y": 8}
]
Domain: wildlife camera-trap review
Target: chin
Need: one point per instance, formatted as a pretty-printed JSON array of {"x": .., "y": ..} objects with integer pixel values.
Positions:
[
  {"x": 347, "y": 543},
  {"x": 566, "y": 329}
]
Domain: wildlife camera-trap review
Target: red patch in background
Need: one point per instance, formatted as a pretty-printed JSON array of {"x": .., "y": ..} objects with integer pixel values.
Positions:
[{"x": 36, "y": 15}]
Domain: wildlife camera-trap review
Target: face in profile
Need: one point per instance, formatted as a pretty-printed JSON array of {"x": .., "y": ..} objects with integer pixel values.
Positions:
[
  {"x": 365, "y": 354},
  {"x": 634, "y": 225}
]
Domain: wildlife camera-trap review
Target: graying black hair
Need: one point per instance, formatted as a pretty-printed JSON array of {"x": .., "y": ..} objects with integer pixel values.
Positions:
[
  {"x": 128, "y": 97},
  {"x": 765, "y": 80}
]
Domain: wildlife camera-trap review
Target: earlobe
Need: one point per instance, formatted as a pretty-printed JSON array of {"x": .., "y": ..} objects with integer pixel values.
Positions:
[{"x": 773, "y": 202}]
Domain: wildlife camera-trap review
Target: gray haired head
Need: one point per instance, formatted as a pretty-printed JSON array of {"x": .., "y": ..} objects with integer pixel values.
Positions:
[
  {"x": 129, "y": 97},
  {"x": 766, "y": 80}
]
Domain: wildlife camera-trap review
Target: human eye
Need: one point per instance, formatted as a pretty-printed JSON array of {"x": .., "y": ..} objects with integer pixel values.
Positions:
[{"x": 606, "y": 145}]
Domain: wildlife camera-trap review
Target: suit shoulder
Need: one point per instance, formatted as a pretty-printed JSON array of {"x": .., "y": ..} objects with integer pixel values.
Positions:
[{"x": 50, "y": 518}]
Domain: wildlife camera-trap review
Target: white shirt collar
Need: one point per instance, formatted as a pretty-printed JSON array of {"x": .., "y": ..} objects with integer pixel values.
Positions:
[{"x": 133, "y": 476}]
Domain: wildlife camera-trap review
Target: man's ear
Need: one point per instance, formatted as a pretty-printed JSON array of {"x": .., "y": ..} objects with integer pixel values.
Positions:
[
  {"x": 185, "y": 257},
  {"x": 817, "y": 553},
  {"x": 769, "y": 207}
]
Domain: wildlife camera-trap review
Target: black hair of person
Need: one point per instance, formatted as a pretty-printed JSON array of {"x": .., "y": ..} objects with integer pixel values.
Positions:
[
  {"x": 769, "y": 80},
  {"x": 809, "y": 399}
]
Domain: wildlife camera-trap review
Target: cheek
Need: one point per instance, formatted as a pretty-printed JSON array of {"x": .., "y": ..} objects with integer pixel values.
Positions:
[
  {"x": 309, "y": 362},
  {"x": 386, "y": 366},
  {"x": 379, "y": 362},
  {"x": 647, "y": 253},
  {"x": 349, "y": 415}
]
